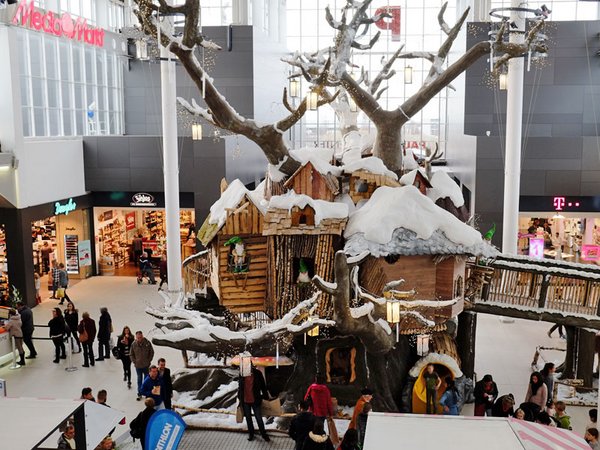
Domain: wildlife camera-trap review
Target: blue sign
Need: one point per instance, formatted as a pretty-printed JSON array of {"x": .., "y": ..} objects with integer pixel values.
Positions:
[
  {"x": 64, "y": 209},
  {"x": 164, "y": 431}
]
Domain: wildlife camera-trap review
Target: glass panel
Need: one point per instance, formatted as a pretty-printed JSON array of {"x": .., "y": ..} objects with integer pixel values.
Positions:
[
  {"x": 79, "y": 122},
  {"x": 110, "y": 77},
  {"x": 53, "y": 93},
  {"x": 89, "y": 66},
  {"x": 54, "y": 119},
  {"x": 101, "y": 103},
  {"x": 79, "y": 97},
  {"x": 35, "y": 54},
  {"x": 39, "y": 118},
  {"x": 65, "y": 71},
  {"x": 87, "y": 10},
  {"x": 66, "y": 95},
  {"x": 77, "y": 63},
  {"x": 51, "y": 60},
  {"x": 37, "y": 89},
  {"x": 23, "y": 52},
  {"x": 74, "y": 7},
  {"x": 68, "y": 122},
  {"x": 100, "y": 67},
  {"x": 26, "y": 117},
  {"x": 25, "y": 98}
]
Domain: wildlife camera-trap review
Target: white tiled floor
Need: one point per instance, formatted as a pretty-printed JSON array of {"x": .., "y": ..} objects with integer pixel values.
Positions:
[{"x": 503, "y": 349}]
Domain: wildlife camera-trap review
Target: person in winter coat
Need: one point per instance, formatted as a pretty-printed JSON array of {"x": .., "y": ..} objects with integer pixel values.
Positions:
[
  {"x": 66, "y": 440},
  {"x": 365, "y": 397},
  {"x": 146, "y": 269},
  {"x": 361, "y": 423},
  {"x": 57, "y": 330},
  {"x": 141, "y": 354},
  {"x": 449, "y": 399},
  {"x": 153, "y": 387},
  {"x": 504, "y": 406},
  {"x": 72, "y": 320},
  {"x": 162, "y": 269},
  {"x": 88, "y": 326},
  {"x": 140, "y": 423},
  {"x": 14, "y": 328},
  {"x": 317, "y": 439},
  {"x": 537, "y": 392},
  {"x": 301, "y": 424},
  {"x": 63, "y": 282},
  {"x": 104, "y": 330},
  {"x": 27, "y": 328},
  {"x": 350, "y": 441},
  {"x": 548, "y": 376},
  {"x": 251, "y": 392},
  {"x": 123, "y": 349},
  {"x": 485, "y": 394},
  {"x": 165, "y": 374},
  {"x": 318, "y": 397}
]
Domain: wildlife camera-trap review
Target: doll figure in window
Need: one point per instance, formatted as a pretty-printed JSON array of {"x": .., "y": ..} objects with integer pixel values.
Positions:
[
  {"x": 303, "y": 276},
  {"x": 238, "y": 261}
]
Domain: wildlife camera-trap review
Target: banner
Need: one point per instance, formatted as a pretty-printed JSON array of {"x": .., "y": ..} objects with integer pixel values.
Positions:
[
  {"x": 130, "y": 221},
  {"x": 164, "y": 431},
  {"x": 85, "y": 253}
]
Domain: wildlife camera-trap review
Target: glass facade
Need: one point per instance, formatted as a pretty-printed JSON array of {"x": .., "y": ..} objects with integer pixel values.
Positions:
[
  {"x": 68, "y": 89},
  {"x": 85, "y": 9},
  {"x": 561, "y": 9}
]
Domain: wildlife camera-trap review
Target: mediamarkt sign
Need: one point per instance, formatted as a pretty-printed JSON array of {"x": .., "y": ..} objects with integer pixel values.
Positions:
[{"x": 64, "y": 25}]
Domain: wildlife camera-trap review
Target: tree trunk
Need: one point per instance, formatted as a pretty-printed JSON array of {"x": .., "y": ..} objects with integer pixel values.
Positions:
[
  {"x": 465, "y": 342},
  {"x": 388, "y": 144},
  {"x": 568, "y": 368},
  {"x": 585, "y": 357}
]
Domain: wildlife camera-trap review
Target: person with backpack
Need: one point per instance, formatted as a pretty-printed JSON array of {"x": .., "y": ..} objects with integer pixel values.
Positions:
[
  {"x": 87, "y": 334},
  {"x": 301, "y": 424},
  {"x": 140, "y": 423},
  {"x": 350, "y": 441},
  {"x": 449, "y": 399}
]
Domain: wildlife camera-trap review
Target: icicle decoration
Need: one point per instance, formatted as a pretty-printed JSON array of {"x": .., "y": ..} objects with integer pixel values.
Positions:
[
  {"x": 203, "y": 84},
  {"x": 305, "y": 339},
  {"x": 277, "y": 354},
  {"x": 491, "y": 58},
  {"x": 529, "y": 59},
  {"x": 397, "y": 331}
]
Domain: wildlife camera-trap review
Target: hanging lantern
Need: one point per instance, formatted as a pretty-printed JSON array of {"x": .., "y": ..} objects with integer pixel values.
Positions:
[
  {"x": 313, "y": 100},
  {"x": 294, "y": 88},
  {"x": 313, "y": 332},
  {"x": 422, "y": 344},
  {"x": 408, "y": 75},
  {"x": 393, "y": 315},
  {"x": 197, "y": 132},
  {"x": 353, "y": 105},
  {"x": 245, "y": 364},
  {"x": 502, "y": 81},
  {"x": 141, "y": 50}
]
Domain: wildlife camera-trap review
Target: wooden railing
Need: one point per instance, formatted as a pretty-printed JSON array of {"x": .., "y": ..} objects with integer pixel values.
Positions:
[
  {"x": 554, "y": 286},
  {"x": 196, "y": 273}
]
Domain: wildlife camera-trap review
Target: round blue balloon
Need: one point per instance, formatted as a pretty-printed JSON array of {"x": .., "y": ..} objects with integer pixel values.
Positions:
[{"x": 91, "y": 114}]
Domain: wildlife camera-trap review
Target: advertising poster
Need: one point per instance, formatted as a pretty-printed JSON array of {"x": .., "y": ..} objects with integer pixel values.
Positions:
[
  {"x": 590, "y": 252},
  {"x": 130, "y": 221},
  {"x": 71, "y": 253},
  {"x": 164, "y": 431},
  {"x": 85, "y": 253},
  {"x": 536, "y": 248}
]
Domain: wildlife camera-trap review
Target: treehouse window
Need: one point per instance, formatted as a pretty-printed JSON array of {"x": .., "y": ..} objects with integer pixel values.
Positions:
[
  {"x": 304, "y": 216},
  {"x": 362, "y": 187},
  {"x": 340, "y": 365},
  {"x": 391, "y": 259},
  {"x": 458, "y": 287},
  {"x": 304, "y": 270}
]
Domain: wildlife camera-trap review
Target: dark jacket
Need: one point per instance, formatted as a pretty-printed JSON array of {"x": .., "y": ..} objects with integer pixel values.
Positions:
[
  {"x": 140, "y": 423},
  {"x": 90, "y": 328},
  {"x": 301, "y": 425},
  {"x": 72, "y": 319},
  {"x": 480, "y": 390},
  {"x": 320, "y": 399},
  {"x": 26, "y": 320},
  {"x": 63, "y": 278},
  {"x": 149, "y": 384},
  {"x": 124, "y": 348},
  {"x": 259, "y": 387},
  {"x": 57, "y": 326},
  {"x": 104, "y": 326},
  {"x": 498, "y": 411},
  {"x": 167, "y": 386},
  {"x": 317, "y": 442},
  {"x": 63, "y": 444},
  {"x": 361, "y": 426}
]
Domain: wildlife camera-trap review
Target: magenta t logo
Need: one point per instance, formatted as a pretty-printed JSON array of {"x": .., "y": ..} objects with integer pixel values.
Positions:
[{"x": 559, "y": 203}]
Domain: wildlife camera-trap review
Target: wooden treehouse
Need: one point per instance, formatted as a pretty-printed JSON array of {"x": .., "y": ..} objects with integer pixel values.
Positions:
[
  {"x": 318, "y": 185},
  {"x": 418, "y": 179},
  {"x": 365, "y": 176}
]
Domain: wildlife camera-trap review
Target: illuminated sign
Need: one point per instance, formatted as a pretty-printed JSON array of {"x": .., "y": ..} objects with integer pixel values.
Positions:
[
  {"x": 51, "y": 23},
  {"x": 536, "y": 248},
  {"x": 560, "y": 203},
  {"x": 590, "y": 252},
  {"x": 142, "y": 199},
  {"x": 392, "y": 23},
  {"x": 64, "y": 209}
]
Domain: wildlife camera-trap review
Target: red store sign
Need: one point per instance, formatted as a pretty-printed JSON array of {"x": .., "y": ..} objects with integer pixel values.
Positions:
[{"x": 27, "y": 15}]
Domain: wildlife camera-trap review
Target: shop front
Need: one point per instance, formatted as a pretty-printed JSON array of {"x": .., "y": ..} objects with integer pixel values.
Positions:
[
  {"x": 122, "y": 217},
  {"x": 560, "y": 227}
]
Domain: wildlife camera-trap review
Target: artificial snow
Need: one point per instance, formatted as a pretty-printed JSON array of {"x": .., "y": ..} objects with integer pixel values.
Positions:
[
  {"x": 323, "y": 209},
  {"x": 402, "y": 221},
  {"x": 444, "y": 186},
  {"x": 346, "y": 200},
  {"x": 549, "y": 270},
  {"x": 371, "y": 164},
  {"x": 231, "y": 198},
  {"x": 409, "y": 178},
  {"x": 436, "y": 358},
  {"x": 320, "y": 158},
  {"x": 275, "y": 174},
  {"x": 361, "y": 311},
  {"x": 409, "y": 162}
]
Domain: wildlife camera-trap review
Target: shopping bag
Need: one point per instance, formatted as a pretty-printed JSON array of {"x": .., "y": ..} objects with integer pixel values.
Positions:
[
  {"x": 83, "y": 336},
  {"x": 271, "y": 407},
  {"x": 60, "y": 293},
  {"x": 333, "y": 434},
  {"x": 239, "y": 414}
]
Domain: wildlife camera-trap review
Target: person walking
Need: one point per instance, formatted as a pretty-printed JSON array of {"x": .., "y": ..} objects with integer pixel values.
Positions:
[
  {"x": 46, "y": 251},
  {"x": 146, "y": 269},
  {"x": 72, "y": 320},
  {"x": 432, "y": 384},
  {"x": 548, "y": 376},
  {"x": 366, "y": 395},
  {"x": 57, "y": 330},
  {"x": 450, "y": 398},
  {"x": 165, "y": 374},
  {"x": 317, "y": 439},
  {"x": 318, "y": 397},
  {"x": 140, "y": 423},
  {"x": 485, "y": 393},
  {"x": 591, "y": 437},
  {"x": 27, "y": 328},
  {"x": 162, "y": 269},
  {"x": 87, "y": 334},
  {"x": 537, "y": 392},
  {"x": 561, "y": 331},
  {"x": 301, "y": 424},
  {"x": 141, "y": 355},
  {"x": 252, "y": 389},
  {"x": 37, "y": 282},
  {"x": 63, "y": 283},
  {"x": 137, "y": 247},
  {"x": 14, "y": 327},
  {"x": 124, "y": 349},
  {"x": 104, "y": 329},
  {"x": 55, "y": 274}
]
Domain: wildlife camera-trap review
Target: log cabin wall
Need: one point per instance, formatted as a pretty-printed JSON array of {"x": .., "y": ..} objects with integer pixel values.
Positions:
[
  {"x": 372, "y": 180},
  {"x": 244, "y": 291},
  {"x": 244, "y": 219},
  {"x": 309, "y": 181},
  {"x": 447, "y": 278},
  {"x": 354, "y": 193},
  {"x": 282, "y": 221}
]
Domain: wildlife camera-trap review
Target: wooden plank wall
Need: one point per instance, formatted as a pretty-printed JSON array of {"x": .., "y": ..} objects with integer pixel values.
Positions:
[
  {"x": 444, "y": 280},
  {"x": 309, "y": 181},
  {"x": 418, "y": 272},
  {"x": 244, "y": 292},
  {"x": 247, "y": 220},
  {"x": 280, "y": 221}
]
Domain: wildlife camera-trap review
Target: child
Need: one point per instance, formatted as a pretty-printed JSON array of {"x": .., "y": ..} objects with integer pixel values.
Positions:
[
  {"x": 38, "y": 285},
  {"x": 520, "y": 414},
  {"x": 593, "y": 413},
  {"x": 562, "y": 418}
]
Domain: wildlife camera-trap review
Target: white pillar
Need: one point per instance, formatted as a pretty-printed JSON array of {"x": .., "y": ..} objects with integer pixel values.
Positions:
[
  {"x": 588, "y": 236},
  {"x": 171, "y": 172},
  {"x": 512, "y": 164}
]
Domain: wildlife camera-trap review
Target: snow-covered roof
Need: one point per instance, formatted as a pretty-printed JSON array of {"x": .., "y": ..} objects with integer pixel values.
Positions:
[
  {"x": 232, "y": 197},
  {"x": 323, "y": 209},
  {"x": 409, "y": 162},
  {"x": 402, "y": 221},
  {"x": 320, "y": 158},
  {"x": 371, "y": 164},
  {"x": 409, "y": 178},
  {"x": 444, "y": 186}
]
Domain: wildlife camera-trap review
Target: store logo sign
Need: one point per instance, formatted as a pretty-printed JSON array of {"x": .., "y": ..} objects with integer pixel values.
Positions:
[
  {"x": 142, "y": 199},
  {"x": 64, "y": 209},
  {"x": 560, "y": 203},
  {"x": 51, "y": 23},
  {"x": 387, "y": 23}
]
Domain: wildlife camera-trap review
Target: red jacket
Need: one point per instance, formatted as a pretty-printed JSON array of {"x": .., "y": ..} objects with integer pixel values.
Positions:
[{"x": 321, "y": 400}]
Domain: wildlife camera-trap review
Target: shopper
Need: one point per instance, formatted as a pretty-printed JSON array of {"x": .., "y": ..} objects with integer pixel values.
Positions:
[
  {"x": 548, "y": 376},
  {"x": 252, "y": 389},
  {"x": 153, "y": 387},
  {"x": 101, "y": 397},
  {"x": 537, "y": 392},
  {"x": 519, "y": 414},
  {"x": 350, "y": 441},
  {"x": 591, "y": 437},
  {"x": 593, "y": 414},
  {"x": 366, "y": 395},
  {"x": 317, "y": 439},
  {"x": 106, "y": 444},
  {"x": 162, "y": 269},
  {"x": 146, "y": 269},
  {"x": 450, "y": 398},
  {"x": 140, "y": 423},
  {"x": 57, "y": 330},
  {"x": 55, "y": 274},
  {"x": 318, "y": 397},
  {"x": 67, "y": 439},
  {"x": 14, "y": 328},
  {"x": 301, "y": 424},
  {"x": 104, "y": 329},
  {"x": 563, "y": 420},
  {"x": 141, "y": 355},
  {"x": 561, "y": 331},
  {"x": 432, "y": 384},
  {"x": 27, "y": 328},
  {"x": 38, "y": 285},
  {"x": 63, "y": 283},
  {"x": 504, "y": 406},
  {"x": 123, "y": 350},
  {"x": 87, "y": 334},
  {"x": 46, "y": 251},
  {"x": 72, "y": 320},
  {"x": 165, "y": 374},
  {"x": 86, "y": 394},
  {"x": 137, "y": 245},
  {"x": 485, "y": 393}
]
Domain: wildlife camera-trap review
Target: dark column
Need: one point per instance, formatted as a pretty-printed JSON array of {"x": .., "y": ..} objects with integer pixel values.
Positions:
[
  {"x": 568, "y": 367},
  {"x": 19, "y": 252},
  {"x": 80, "y": 437},
  {"x": 465, "y": 341},
  {"x": 585, "y": 356}
]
